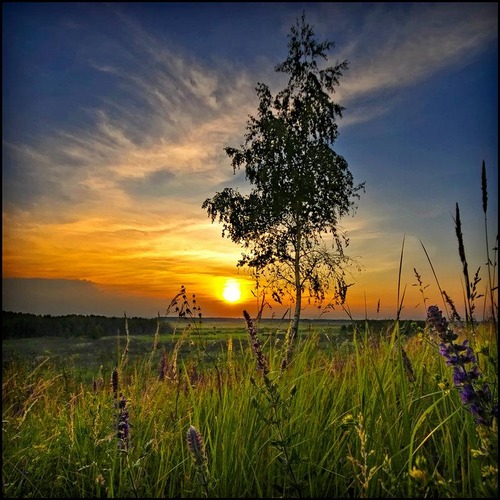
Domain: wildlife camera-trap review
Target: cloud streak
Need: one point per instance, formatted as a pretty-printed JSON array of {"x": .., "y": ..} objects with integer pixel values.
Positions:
[{"x": 406, "y": 47}]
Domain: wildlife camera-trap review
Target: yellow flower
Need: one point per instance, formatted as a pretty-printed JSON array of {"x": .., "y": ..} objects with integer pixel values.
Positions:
[{"x": 419, "y": 475}]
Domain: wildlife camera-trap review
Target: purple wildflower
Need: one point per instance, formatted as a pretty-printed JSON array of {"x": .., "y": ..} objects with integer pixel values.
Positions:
[
  {"x": 256, "y": 345},
  {"x": 469, "y": 356},
  {"x": 440, "y": 324},
  {"x": 196, "y": 446},
  {"x": 479, "y": 400},
  {"x": 436, "y": 320},
  {"x": 462, "y": 376},
  {"x": 446, "y": 352},
  {"x": 468, "y": 394},
  {"x": 123, "y": 424}
]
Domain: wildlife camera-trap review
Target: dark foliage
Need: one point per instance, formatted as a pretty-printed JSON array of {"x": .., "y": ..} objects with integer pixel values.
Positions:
[{"x": 19, "y": 325}]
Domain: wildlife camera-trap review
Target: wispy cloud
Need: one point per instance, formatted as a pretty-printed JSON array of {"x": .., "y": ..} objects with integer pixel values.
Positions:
[
  {"x": 167, "y": 131},
  {"x": 398, "y": 47},
  {"x": 175, "y": 114}
]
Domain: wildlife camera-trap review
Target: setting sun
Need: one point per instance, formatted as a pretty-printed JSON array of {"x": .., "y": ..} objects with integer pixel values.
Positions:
[{"x": 232, "y": 292}]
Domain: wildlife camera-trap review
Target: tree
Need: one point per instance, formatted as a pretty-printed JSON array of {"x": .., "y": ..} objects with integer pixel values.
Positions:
[{"x": 301, "y": 187}]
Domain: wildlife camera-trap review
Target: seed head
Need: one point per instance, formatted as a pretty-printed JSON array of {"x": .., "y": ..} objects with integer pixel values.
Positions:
[
  {"x": 256, "y": 345},
  {"x": 196, "y": 446}
]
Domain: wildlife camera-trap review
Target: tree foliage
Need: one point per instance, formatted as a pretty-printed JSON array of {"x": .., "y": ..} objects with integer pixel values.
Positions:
[{"x": 301, "y": 186}]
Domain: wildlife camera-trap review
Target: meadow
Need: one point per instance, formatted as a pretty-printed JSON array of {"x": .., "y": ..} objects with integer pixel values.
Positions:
[
  {"x": 243, "y": 410},
  {"x": 196, "y": 415}
]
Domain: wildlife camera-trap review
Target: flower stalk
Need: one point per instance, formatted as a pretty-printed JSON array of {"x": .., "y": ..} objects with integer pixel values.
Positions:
[
  {"x": 475, "y": 395},
  {"x": 197, "y": 448}
]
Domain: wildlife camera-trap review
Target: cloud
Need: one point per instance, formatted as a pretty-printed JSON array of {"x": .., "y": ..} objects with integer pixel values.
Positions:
[
  {"x": 396, "y": 47},
  {"x": 58, "y": 296},
  {"x": 157, "y": 183},
  {"x": 63, "y": 296},
  {"x": 175, "y": 113},
  {"x": 166, "y": 128}
]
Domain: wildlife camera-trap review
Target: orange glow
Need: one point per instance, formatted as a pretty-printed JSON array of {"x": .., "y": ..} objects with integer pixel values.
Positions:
[{"x": 141, "y": 263}]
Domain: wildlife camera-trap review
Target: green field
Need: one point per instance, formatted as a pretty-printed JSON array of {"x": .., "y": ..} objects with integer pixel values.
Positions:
[
  {"x": 211, "y": 334},
  {"x": 363, "y": 413}
]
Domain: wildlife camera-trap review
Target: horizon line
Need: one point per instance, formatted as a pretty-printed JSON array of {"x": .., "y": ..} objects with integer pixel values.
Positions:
[{"x": 210, "y": 318}]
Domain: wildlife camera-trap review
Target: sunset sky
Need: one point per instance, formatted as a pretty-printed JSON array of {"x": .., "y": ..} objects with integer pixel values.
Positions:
[{"x": 115, "y": 116}]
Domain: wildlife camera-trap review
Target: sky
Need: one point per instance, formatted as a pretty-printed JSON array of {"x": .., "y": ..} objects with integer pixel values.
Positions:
[{"x": 115, "y": 117}]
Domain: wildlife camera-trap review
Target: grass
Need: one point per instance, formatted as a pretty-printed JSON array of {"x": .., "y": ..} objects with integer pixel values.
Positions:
[
  {"x": 85, "y": 356},
  {"x": 352, "y": 425},
  {"x": 376, "y": 414}
]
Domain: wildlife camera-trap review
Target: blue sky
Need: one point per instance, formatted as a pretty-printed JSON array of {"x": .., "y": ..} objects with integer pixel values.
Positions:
[{"x": 115, "y": 116}]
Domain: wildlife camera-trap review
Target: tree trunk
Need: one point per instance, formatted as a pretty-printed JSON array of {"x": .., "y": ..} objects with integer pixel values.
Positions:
[{"x": 298, "y": 288}]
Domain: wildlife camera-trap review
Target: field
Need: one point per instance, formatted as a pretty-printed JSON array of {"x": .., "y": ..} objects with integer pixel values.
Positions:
[
  {"x": 81, "y": 352},
  {"x": 223, "y": 410}
]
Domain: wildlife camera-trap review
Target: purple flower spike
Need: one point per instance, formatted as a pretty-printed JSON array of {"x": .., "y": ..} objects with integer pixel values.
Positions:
[
  {"x": 468, "y": 394},
  {"x": 469, "y": 356},
  {"x": 460, "y": 376},
  {"x": 478, "y": 400}
]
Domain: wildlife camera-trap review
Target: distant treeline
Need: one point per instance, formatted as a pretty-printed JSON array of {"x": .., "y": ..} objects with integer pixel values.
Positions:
[
  {"x": 384, "y": 327},
  {"x": 17, "y": 325}
]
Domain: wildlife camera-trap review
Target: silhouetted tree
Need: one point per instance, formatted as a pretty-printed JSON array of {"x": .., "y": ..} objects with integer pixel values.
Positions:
[{"x": 301, "y": 187}]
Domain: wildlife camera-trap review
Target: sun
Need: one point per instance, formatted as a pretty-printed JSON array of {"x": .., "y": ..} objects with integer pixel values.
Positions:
[{"x": 232, "y": 292}]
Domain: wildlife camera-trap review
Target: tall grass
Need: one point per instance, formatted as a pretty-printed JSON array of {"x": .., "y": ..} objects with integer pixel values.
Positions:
[
  {"x": 381, "y": 416},
  {"x": 352, "y": 425}
]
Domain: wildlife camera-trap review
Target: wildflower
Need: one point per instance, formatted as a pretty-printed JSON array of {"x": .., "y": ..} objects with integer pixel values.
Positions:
[
  {"x": 436, "y": 320},
  {"x": 478, "y": 399},
  {"x": 123, "y": 424},
  {"x": 453, "y": 355},
  {"x": 419, "y": 475},
  {"x": 196, "y": 446},
  {"x": 256, "y": 345},
  {"x": 197, "y": 449}
]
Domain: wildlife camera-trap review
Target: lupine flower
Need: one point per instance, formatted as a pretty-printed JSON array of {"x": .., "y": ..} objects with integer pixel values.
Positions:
[
  {"x": 256, "y": 345},
  {"x": 478, "y": 399}
]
